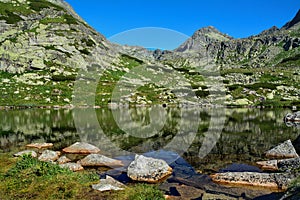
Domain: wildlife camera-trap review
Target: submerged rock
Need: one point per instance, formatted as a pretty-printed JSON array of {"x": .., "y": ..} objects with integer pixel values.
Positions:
[
  {"x": 148, "y": 169},
  {"x": 284, "y": 150},
  {"x": 63, "y": 160},
  {"x": 270, "y": 165},
  {"x": 72, "y": 166},
  {"x": 108, "y": 184},
  {"x": 40, "y": 145},
  {"x": 277, "y": 181},
  {"x": 81, "y": 148},
  {"x": 26, "y": 152},
  {"x": 97, "y": 160},
  {"x": 49, "y": 156}
]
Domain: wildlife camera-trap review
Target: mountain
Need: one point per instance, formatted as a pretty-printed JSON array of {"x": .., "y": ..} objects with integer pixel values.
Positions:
[
  {"x": 39, "y": 34},
  {"x": 293, "y": 22},
  {"x": 259, "y": 70},
  {"x": 44, "y": 43},
  {"x": 202, "y": 38}
]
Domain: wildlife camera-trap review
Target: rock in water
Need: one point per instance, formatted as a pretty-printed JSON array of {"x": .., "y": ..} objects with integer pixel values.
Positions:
[
  {"x": 97, "y": 160},
  {"x": 49, "y": 155},
  {"x": 108, "y": 184},
  {"x": 272, "y": 181},
  {"x": 270, "y": 165},
  {"x": 284, "y": 150},
  {"x": 81, "y": 148},
  {"x": 26, "y": 152},
  {"x": 148, "y": 169},
  {"x": 72, "y": 166},
  {"x": 40, "y": 145}
]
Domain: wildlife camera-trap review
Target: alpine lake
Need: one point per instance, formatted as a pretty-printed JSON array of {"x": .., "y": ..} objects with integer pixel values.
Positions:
[{"x": 194, "y": 142}]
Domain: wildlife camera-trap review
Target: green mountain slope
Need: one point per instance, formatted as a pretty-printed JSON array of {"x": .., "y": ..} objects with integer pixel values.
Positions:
[{"x": 44, "y": 43}]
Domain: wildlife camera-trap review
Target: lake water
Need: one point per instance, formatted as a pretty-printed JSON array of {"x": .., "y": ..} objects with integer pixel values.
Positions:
[{"x": 209, "y": 139}]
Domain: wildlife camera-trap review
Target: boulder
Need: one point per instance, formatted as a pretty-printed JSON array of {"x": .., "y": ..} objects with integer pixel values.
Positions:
[
  {"x": 26, "y": 152},
  {"x": 148, "y": 169},
  {"x": 284, "y": 150},
  {"x": 269, "y": 165},
  {"x": 289, "y": 164},
  {"x": 72, "y": 166},
  {"x": 108, "y": 184},
  {"x": 97, "y": 160},
  {"x": 81, "y": 148},
  {"x": 49, "y": 156},
  {"x": 40, "y": 145},
  {"x": 63, "y": 160},
  {"x": 277, "y": 181}
]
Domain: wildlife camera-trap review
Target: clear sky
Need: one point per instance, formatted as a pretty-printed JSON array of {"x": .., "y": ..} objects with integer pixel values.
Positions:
[{"x": 238, "y": 18}]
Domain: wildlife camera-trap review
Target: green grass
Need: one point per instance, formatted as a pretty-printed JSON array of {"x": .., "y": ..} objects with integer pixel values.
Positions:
[
  {"x": 10, "y": 17},
  {"x": 29, "y": 178},
  {"x": 62, "y": 19},
  {"x": 47, "y": 21},
  {"x": 38, "y": 5},
  {"x": 141, "y": 192}
]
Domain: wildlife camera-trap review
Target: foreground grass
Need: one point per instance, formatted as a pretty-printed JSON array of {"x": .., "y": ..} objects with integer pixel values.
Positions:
[{"x": 29, "y": 178}]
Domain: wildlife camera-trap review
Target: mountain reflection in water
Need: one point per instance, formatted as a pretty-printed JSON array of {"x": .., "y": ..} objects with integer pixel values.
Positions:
[{"x": 245, "y": 136}]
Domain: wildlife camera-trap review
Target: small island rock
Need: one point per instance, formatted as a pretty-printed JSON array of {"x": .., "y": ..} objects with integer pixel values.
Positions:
[
  {"x": 81, "y": 148},
  {"x": 284, "y": 150},
  {"x": 148, "y": 169},
  {"x": 97, "y": 160}
]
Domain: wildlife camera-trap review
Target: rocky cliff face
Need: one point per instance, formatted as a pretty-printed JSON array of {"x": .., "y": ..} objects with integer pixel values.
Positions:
[{"x": 37, "y": 35}]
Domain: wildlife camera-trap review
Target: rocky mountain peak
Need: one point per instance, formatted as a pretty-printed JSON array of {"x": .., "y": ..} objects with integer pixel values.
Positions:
[
  {"x": 202, "y": 38},
  {"x": 293, "y": 22}
]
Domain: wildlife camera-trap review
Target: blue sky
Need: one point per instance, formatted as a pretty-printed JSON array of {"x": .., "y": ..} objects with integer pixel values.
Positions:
[{"x": 238, "y": 18}]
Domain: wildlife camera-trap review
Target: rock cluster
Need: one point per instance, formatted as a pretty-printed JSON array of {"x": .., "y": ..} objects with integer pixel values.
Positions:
[
  {"x": 145, "y": 169},
  {"x": 285, "y": 167}
]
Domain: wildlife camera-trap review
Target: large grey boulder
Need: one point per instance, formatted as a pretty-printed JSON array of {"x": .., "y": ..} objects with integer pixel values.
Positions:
[
  {"x": 81, "y": 148},
  {"x": 108, "y": 184},
  {"x": 49, "y": 156},
  {"x": 97, "y": 160},
  {"x": 148, "y": 169},
  {"x": 284, "y": 150}
]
